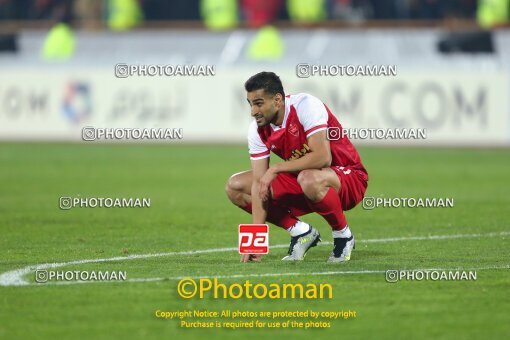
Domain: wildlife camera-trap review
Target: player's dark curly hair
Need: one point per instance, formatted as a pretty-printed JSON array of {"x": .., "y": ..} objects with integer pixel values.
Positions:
[{"x": 268, "y": 81}]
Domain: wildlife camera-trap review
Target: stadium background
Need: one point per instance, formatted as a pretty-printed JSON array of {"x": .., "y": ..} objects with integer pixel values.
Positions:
[{"x": 57, "y": 61}]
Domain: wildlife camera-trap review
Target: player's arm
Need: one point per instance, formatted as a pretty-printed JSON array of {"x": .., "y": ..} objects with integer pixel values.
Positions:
[
  {"x": 259, "y": 207},
  {"x": 319, "y": 157}
]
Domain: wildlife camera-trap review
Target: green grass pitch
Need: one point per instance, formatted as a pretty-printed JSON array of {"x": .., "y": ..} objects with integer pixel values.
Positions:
[{"x": 190, "y": 211}]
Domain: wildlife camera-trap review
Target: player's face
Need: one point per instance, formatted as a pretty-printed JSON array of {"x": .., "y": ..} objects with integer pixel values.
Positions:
[{"x": 264, "y": 107}]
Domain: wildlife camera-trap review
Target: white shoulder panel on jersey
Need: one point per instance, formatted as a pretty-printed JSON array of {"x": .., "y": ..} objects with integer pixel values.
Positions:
[
  {"x": 257, "y": 149},
  {"x": 311, "y": 112}
]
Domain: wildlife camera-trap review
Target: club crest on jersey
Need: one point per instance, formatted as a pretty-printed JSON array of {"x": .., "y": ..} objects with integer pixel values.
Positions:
[
  {"x": 293, "y": 130},
  {"x": 298, "y": 153}
]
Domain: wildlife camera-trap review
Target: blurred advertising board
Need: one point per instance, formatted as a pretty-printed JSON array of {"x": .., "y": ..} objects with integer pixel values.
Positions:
[{"x": 455, "y": 108}]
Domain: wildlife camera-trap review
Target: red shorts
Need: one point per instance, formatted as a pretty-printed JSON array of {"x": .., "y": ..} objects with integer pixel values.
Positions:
[{"x": 288, "y": 193}]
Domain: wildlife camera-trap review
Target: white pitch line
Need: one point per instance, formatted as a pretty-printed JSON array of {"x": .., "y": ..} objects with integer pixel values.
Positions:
[{"x": 15, "y": 277}]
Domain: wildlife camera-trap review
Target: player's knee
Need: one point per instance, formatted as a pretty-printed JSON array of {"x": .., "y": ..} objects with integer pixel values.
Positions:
[
  {"x": 234, "y": 186},
  {"x": 309, "y": 181}
]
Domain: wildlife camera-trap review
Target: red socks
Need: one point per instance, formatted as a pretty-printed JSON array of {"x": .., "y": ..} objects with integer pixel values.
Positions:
[
  {"x": 276, "y": 215},
  {"x": 331, "y": 209}
]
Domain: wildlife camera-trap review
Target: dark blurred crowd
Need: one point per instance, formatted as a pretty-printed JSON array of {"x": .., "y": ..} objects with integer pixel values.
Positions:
[{"x": 250, "y": 11}]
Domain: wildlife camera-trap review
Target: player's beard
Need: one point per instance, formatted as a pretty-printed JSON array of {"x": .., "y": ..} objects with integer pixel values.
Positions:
[
  {"x": 262, "y": 121},
  {"x": 267, "y": 119},
  {"x": 274, "y": 117}
]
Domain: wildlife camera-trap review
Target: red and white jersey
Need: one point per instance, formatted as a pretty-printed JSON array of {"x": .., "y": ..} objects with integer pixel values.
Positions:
[{"x": 304, "y": 116}]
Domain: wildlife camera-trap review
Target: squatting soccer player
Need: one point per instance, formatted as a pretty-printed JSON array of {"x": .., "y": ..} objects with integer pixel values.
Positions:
[{"x": 320, "y": 174}]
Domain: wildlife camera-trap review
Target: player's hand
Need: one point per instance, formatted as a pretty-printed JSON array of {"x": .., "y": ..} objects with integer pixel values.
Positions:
[
  {"x": 251, "y": 258},
  {"x": 265, "y": 184}
]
